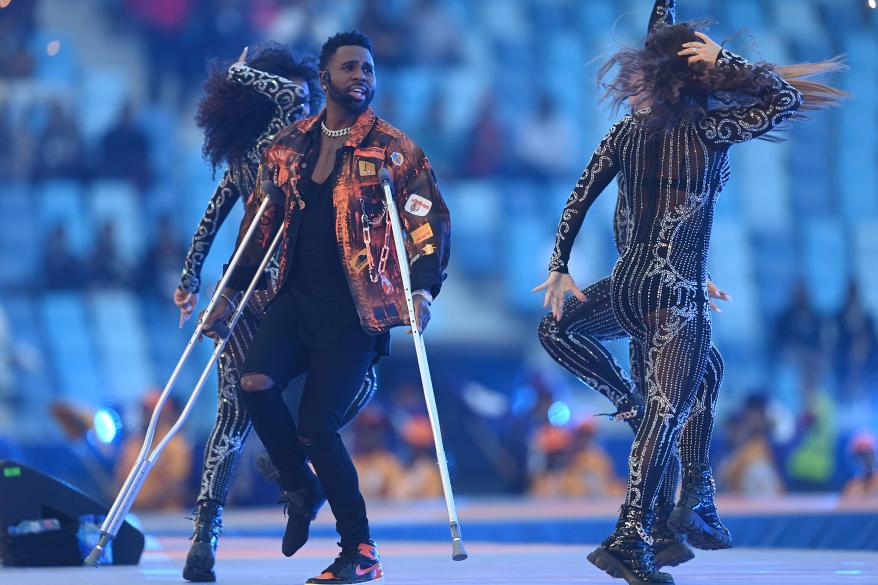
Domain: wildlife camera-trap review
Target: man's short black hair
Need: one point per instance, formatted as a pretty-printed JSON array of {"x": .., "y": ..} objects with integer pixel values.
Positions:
[{"x": 343, "y": 39}]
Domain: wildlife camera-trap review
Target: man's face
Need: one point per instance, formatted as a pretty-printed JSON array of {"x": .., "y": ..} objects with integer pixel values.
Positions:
[{"x": 350, "y": 78}]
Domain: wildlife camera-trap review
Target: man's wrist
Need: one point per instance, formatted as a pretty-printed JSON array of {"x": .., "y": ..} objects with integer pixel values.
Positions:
[{"x": 425, "y": 294}]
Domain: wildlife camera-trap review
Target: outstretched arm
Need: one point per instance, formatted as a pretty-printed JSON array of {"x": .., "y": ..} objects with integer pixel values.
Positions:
[
  {"x": 601, "y": 169},
  {"x": 290, "y": 99},
  {"x": 663, "y": 11}
]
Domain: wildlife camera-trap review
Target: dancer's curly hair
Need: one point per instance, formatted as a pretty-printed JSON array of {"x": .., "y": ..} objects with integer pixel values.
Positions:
[
  {"x": 677, "y": 93},
  {"x": 233, "y": 116}
]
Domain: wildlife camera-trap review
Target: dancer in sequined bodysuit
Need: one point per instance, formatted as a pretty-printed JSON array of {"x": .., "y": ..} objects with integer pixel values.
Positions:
[
  {"x": 576, "y": 342},
  {"x": 245, "y": 107},
  {"x": 671, "y": 153}
]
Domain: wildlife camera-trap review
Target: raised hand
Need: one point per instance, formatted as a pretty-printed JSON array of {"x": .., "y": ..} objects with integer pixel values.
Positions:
[
  {"x": 422, "y": 313},
  {"x": 557, "y": 285},
  {"x": 243, "y": 58},
  {"x": 704, "y": 52}
]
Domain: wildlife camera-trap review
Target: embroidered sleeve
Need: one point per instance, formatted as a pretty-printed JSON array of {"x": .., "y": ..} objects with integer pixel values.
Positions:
[
  {"x": 222, "y": 201},
  {"x": 774, "y": 105},
  {"x": 601, "y": 169},
  {"x": 663, "y": 11},
  {"x": 290, "y": 99}
]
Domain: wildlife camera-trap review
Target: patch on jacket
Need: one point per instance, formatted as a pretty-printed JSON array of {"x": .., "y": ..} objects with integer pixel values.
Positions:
[
  {"x": 417, "y": 205},
  {"x": 422, "y": 233},
  {"x": 367, "y": 169},
  {"x": 397, "y": 158}
]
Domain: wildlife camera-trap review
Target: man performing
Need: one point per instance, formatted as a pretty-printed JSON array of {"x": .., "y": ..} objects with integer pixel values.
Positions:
[
  {"x": 339, "y": 290},
  {"x": 244, "y": 107}
]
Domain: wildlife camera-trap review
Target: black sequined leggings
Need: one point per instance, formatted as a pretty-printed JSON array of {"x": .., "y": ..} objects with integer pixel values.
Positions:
[
  {"x": 232, "y": 426},
  {"x": 576, "y": 343},
  {"x": 670, "y": 318}
]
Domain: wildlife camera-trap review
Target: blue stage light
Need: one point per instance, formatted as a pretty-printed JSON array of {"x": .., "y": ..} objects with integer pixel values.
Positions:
[
  {"x": 107, "y": 424},
  {"x": 559, "y": 414}
]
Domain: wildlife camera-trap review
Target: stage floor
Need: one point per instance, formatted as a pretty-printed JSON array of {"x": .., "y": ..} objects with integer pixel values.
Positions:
[
  {"x": 511, "y": 542},
  {"x": 257, "y": 561}
]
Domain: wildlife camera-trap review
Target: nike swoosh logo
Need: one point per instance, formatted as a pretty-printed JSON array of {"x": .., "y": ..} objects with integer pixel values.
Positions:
[{"x": 360, "y": 572}]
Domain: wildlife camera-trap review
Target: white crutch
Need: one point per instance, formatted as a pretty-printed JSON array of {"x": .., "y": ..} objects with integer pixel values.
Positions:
[
  {"x": 458, "y": 552},
  {"x": 146, "y": 459}
]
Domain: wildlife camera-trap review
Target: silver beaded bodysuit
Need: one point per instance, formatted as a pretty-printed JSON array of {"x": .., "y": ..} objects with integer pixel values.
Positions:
[
  {"x": 658, "y": 286},
  {"x": 232, "y": 426},
  {"x": 576, "y": 342}
]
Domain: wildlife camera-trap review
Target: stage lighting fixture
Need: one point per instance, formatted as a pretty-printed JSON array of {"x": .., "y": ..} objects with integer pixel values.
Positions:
[{"x": 559, "y": 414}]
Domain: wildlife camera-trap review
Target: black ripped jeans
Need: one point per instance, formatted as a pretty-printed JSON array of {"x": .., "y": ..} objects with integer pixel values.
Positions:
[{"x": 325, "y": 342}]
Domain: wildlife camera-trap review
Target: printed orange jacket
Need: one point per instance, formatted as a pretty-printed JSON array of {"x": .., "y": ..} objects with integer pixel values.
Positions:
[{"x": 358, "y": 199}]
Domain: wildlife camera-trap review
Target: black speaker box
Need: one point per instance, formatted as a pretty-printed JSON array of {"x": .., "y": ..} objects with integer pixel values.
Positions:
[{"x": 27, "y": 494}]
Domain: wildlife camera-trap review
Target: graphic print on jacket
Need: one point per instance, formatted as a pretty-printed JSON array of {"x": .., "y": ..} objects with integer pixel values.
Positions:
[{"x": 371, "y": 269}]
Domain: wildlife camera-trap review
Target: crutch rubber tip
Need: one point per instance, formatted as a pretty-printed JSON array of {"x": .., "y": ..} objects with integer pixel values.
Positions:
[
  {"x": 94, "y": 557},
  {"x": 458, "y": 552}
]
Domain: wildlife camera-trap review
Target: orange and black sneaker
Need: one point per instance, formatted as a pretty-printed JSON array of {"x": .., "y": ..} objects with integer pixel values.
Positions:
[{"x": 356, "y": 564}]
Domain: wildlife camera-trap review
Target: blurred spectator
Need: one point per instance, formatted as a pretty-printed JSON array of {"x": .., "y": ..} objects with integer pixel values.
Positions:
[
  {"x": 17, "y": 23},
  {"x": 751, "y": 469},
  {"x": 864, "y": 484},
  {"x": 106, "y": 269},
  {"x": 59, "y": 149},
  {"x": 435, "y": 36},
  {"x": 590, "y": 472},
  {"x": 166, "y": 486},
  {"x": 811, "y": 463},
  {"x": 800, "y": 332},
  {"x": 8, "y": 394},
  {"x": 379, "y": 470},
  {"x": 483, "y": 154},
  {"x": 7, "y": 148},
  {"x": 421, "y": 479},
  {"x": 125, "y": 151},
  {"x": 856, "y": 346},
  {"x": 61, "y": 268},
  {"x": 17, "y": 143},
  {"x": 433, "y": 136},
  {"x": 161, "y": 264},
  {"x": 163, "y": 24},
  {"x": 390, "y": 37},
  {"x": 544, "y": 144},
  {"x": 550, "y": 449}
]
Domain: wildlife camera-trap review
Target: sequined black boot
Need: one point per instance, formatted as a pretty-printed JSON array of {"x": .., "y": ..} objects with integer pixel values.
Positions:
[
  {"x": 670, "y": 549},
  {"x": 208, "y": 524},
  {"x": 695, "y": 514},
  {"x": 301, "y": 507},
  {"x": 627, "y": 552}
]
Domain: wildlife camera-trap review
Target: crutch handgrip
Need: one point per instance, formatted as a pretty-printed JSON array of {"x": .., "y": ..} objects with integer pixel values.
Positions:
[
  {"x": 220, "y": 329},
  {"x": 274, "y": 192}
]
